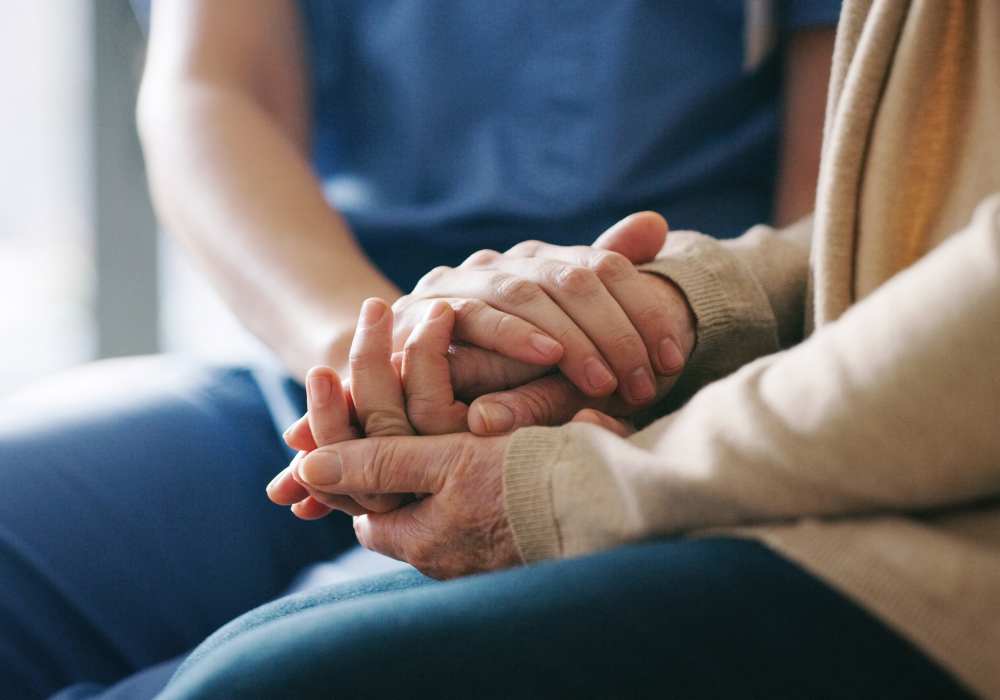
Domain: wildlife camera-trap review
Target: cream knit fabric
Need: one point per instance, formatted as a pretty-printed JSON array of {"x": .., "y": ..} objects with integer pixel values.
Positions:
[{"x": 870, "y": 451}]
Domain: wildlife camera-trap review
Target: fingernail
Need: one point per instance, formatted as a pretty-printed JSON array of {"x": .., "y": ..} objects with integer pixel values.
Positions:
[
  {"x": 598, "y": 376},
  {"x": 436, "y": 311},
  {"x": 496, "y": 417},
  {"x": 671, "y": 357},
  {"x": 545, "y": 345},
  {"x": 640, "y": 386},
  {"x": 319, "y": 387},
  {"x": 274, "y": 481},
  {"x": 371, "y": 312},
  {"x": 322, "y": 468}
]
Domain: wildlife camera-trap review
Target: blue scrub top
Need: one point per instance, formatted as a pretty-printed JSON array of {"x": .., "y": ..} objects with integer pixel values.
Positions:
[{"x": 444, "y": 126}]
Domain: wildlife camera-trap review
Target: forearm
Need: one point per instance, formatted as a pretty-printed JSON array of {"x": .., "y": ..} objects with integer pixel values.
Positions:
[{"x": 255, "y": 217}]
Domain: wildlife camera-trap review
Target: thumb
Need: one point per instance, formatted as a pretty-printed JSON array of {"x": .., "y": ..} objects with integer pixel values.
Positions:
[
  {"x": 639, "y": 237},
  {"x": 404, "y": 464},
  {"x": 551, "y": 400},
  {"x": 603, "y": 420}
]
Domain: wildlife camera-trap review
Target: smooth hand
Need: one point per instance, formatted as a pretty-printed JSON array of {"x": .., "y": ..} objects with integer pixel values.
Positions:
[{"x": 617, "y": 328}]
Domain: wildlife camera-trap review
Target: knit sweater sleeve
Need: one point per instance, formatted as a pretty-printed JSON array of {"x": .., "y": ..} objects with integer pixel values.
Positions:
[
  {"x": 891, "y": 408},
  {"x": 747, "y": 294}
]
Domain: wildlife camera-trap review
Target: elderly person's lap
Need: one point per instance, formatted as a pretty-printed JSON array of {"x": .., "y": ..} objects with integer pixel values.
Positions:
[{"x": 690, "y": 618}]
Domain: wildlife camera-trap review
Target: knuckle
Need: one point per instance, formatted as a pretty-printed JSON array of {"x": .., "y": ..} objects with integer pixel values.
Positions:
[
  {"x": 481, "y": 257},
  {"x": 382, "y": 422},
  {"x": 466, "y": 310},
  {"x": 625, "y": 344},
  {"x": 649, "y": 317},
  {"x": 516, "y": 291},
  {"x": 575, "y": 280},
  {"x": 524, "y": 249},
  {"x": 531, "y": 406},
  {"x": 504, "y": 326},
  {"x": 611, "y": 267},
  {"x": 361, "y": 361},
  {"x": 433, "y": 277}
]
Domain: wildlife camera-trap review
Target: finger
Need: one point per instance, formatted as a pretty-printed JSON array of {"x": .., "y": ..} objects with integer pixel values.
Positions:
[
  {"x": 603, "y": 420},
  {"x": 547, "y": 401},
  {"x": 375, "y": 385},
  {"x": 430, "y": 401},
  {"x": 310, "y": 509},
  {"x": 328, "y": 415},
  {"x": 630, "y": 288},
  {"x": 284, "y": 489},
  {"x": 584, "y": 298},
  {"x": 475, "y": 371},
  {"x": 510, "y": 291},
  {"x": 383, "y": 533},
  {"x": 299, "y": 435},
  {"x": 383, "y": 465},
  {"x": 481, "y": 325},
  {"x": 345, "y": 504},
  {"x": 639, "y": 237},
  {"x": 358, "y": 503}
]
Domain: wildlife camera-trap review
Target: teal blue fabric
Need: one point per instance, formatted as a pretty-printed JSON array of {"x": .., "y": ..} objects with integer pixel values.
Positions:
[
  {"x": 710, "y": 618},
  {"x": 442, "y": 127},
  {"x": 133, "y": 521}
]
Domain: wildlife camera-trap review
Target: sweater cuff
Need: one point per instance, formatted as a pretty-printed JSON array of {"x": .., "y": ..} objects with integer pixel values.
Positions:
[
  {"x": 735, "y": 322},
  {"x": 531, "y": 456}
]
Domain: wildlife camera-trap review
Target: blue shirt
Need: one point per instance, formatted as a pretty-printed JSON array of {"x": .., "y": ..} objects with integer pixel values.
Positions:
[{"x": 442, "y": 127}]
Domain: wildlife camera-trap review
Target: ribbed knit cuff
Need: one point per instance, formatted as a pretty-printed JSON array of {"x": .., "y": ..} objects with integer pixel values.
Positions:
[
  {"x": 531, "y": 456},
  {"x": 735, "y": 323}
]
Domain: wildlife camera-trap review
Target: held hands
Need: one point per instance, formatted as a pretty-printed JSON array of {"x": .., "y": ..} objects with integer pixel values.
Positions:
[
  {"x": 433, "y": 501},
  {"x": 437, "y": 502},
  {"x": 617, "y": 328}
]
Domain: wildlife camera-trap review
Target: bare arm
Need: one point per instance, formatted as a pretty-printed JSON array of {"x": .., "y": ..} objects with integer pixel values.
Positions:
[
  {"x": 223, "y": 115},
  {"x": 807, "y": 72}
]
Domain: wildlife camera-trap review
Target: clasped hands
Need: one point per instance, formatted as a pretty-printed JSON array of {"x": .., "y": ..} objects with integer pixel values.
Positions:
[{"x": 541, "y": 334}]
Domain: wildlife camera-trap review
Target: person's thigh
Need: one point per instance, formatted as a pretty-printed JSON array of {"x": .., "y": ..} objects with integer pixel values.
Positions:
[
  {"x": 689, "y": 619},
  {"x": 133, "y": 519}
]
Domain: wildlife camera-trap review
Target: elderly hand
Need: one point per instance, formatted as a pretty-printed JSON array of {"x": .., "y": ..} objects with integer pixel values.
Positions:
[
  {"x": 377, "y": 399},
  {"x": 459, "y": 526}
]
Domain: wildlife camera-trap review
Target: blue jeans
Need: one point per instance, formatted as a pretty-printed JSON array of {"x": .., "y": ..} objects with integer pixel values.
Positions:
[{"x": 133, "y": 524}]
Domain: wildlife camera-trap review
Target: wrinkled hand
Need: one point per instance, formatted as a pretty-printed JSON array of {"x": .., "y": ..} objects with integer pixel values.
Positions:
[
  {"x": 459, "y": 526},
  {"x": 378, "y": 399},
  {"x": 437, "y": 501}
]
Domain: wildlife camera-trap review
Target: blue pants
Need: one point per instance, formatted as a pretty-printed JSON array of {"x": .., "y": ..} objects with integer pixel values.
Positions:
[{"x": 133, "y": 524}]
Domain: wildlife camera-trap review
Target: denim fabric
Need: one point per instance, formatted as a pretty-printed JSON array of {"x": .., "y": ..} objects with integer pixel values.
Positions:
[
  {"x": 133, "y": 519},
  {"x": 710, "y": 618}
]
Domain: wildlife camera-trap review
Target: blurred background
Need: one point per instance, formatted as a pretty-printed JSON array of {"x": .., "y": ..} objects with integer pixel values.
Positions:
[{"x": 83, "y": 273}]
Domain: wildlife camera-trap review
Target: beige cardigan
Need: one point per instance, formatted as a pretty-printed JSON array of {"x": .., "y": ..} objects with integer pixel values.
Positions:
[{"x": 870, "y": 451}]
